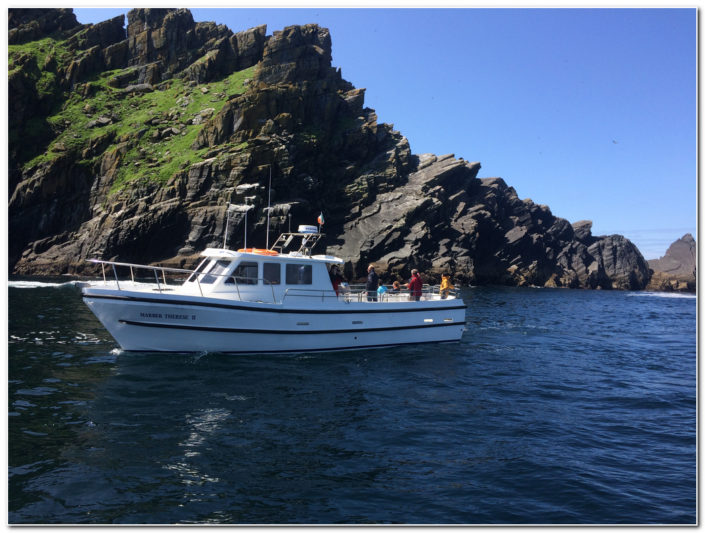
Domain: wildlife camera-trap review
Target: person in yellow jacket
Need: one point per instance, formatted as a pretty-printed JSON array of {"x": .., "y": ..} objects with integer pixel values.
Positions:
[{"x": 446, "y": 286}]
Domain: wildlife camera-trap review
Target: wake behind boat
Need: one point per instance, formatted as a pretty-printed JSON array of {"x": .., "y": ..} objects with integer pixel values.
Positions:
[{"x": 278, "y": 299}]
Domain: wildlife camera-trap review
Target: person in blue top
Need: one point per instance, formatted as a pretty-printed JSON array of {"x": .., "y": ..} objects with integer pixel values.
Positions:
[
  {"x": 380, "y": 292},
  {"x": 372, "y": 284}
]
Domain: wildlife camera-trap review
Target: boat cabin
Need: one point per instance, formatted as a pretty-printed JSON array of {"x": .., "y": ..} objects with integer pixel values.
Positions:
[{"x": 265, "y": 275}]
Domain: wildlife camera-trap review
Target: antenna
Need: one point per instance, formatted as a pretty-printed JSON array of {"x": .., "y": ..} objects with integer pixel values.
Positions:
[{"x": 269, "y": 203}]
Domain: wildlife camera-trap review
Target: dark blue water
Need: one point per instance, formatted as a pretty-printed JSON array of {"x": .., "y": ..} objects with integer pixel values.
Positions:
[{"x": 557, "y": 407}]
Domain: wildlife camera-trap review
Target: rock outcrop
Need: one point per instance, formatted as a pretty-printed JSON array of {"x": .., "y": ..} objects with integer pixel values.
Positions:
[
  {"x": 444, "y": 219},
  {"x": 28, "y": 24},
  {"x": 148, "y": 134},
  {"x": 677, "y": 270},
  {"x": 168, "y": 42}
]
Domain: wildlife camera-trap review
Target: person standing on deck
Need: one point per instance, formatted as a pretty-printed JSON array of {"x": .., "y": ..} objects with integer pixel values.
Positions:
[
  {"x": 372, "y": 284},
  {"x": 446, "y": 286},
  {"x": 415, "y": 285},
  {"x": 335, "y": 278}
]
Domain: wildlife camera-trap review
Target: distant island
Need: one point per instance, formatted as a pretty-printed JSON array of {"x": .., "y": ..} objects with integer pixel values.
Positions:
[
  {"x": 130, "y": 143},
  {"x": 675, "y": 271}
]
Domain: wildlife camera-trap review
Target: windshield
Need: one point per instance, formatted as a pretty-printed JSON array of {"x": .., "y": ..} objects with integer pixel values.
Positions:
[
  {"x": 200, "y": 269},
  {"x": 218, "y": 269}
]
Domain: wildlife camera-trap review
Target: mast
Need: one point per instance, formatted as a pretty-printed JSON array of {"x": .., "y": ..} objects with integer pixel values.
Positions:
[
  {"x": 247, "y": 208},
  {"x": 227, "y": 222},
  {"x": 269, "y": 203},
  {"x": 236, "y": 208}
]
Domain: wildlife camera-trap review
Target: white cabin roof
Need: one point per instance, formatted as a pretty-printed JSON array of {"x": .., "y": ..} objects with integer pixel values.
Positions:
[
  {"x": 221, "y": 253},
  {"x": 328, "y": 259}
]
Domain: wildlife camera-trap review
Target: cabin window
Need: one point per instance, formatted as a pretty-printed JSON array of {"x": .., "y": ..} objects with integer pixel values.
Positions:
[
  {"x": 200, "y": 269},
  {"x": 215, "y": 272},
  {"x": 272, "y": 273},
  {"x": 244, "y": 274},
  {"x": 297, "y": 274}
]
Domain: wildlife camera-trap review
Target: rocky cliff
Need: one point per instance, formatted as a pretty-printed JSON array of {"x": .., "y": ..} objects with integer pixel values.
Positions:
[
  {"x": 675, "y": 271},
  {"x": 130, "y": 144}
]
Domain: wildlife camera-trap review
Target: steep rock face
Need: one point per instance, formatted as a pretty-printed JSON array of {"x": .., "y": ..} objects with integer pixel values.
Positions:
[
  {"x": 159, "y": 148},
  {"x": 677, "y": 270},
  {"x": 38, "y": 80},
  {"x": 409, "y": 225}
]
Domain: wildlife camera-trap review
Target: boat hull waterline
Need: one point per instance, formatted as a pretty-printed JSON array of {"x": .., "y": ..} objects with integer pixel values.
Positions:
[{"x": 180, "y": 323}]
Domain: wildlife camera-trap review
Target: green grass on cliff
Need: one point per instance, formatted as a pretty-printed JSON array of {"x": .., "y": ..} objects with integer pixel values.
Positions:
[
  {"x": 32, "y": 70},
  {"x": 41, "y": 50},
  {"x": 137, "y": 120}
]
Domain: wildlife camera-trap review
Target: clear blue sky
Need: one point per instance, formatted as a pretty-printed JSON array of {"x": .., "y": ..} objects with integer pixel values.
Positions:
[{"x": 590, "y": 111}]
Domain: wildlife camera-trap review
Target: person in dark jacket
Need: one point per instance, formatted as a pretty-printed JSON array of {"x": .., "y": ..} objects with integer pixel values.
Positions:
[
  {"x": 336, "y": 278},
  {"x": 372, "y": 284}
]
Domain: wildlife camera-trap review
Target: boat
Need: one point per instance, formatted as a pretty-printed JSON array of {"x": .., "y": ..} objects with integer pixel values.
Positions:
[{"x": 262, "y": 300}]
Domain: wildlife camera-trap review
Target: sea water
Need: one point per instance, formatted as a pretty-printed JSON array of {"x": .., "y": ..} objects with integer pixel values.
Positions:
[{"x": 556, "y": 407}]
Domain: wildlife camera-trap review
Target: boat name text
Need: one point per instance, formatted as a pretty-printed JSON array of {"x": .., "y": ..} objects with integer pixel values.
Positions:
[{"x": 173, "y": 316}]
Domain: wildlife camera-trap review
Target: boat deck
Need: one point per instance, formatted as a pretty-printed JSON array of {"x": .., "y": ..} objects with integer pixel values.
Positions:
[{"x": 355, "y": 293}]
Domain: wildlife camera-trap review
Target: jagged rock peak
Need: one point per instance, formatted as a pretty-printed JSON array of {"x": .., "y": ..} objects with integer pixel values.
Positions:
[
  {"x": 677, "y": 270},
  {"x": 296, "y": 53},
  {"x": 583, "y": 231},
  {"x": 167, "y": 42},
  {"x": 103, "y": 34},
  {"x": 680, "y": 258},
  {"x": 162, "y": 36},
  {"x": 144, "y": 19},
  {"x": 28, "y": 24}
]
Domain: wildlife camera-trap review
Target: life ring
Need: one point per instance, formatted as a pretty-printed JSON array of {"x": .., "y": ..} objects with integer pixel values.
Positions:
[{"x": 259, "y": 251}]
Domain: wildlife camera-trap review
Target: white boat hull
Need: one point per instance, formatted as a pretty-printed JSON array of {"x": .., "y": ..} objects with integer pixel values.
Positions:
[{"x": 164, "y": 322}]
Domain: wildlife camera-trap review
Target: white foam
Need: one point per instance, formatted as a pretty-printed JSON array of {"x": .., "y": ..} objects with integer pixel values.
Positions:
[
  {"x": 686, "y": 296},
  {"x": 42, "y": 284}
]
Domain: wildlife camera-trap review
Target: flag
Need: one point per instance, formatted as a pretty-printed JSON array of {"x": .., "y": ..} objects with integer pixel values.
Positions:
[{"x": 320, "y": 219}]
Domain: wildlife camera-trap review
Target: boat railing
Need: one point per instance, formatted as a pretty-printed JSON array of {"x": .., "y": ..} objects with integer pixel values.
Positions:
[
  {"x": 428, "y": 292},
  {"x": 288, "y": 241},
  {"x": 358, "y": 293},
  {"x": 347, "y": 294},
  {"x": 319, "y": 294},
  {"x": 435, "y": 292},
  {"x": 157, "y": 271}
]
